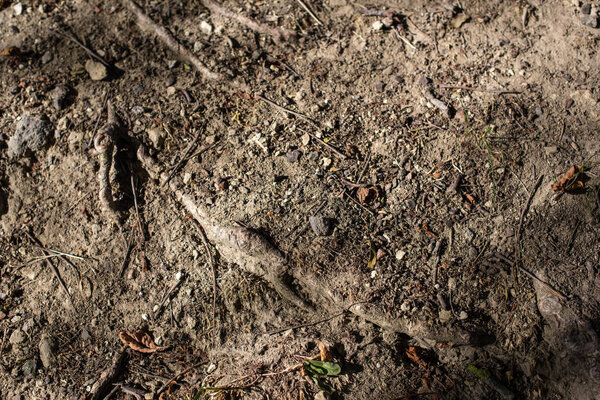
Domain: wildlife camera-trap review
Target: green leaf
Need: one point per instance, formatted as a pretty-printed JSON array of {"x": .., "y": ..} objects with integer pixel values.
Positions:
[
  {"x": 481, "y": 373},
  {"x": 323, "y": 385},
  {"x": 322, "y": 368}
]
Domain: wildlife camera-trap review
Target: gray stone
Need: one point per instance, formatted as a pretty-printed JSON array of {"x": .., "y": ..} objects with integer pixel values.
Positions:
[
  {"x": 32, "y": 134},
  {"x": 292, "y": 156},
  {"x": 47, "y": 57},
  {"x": 320, "y": 225},
  {"x": 96, "y": 70},
  {"x": 46, "y": 351},
  {"x": 59, "y": 97},
  {"x": 17, "y": 337},
  {"x": 157, "y": 137},
  {"x": 593, "y": 21},
  {"x": 30, "y": 367}
]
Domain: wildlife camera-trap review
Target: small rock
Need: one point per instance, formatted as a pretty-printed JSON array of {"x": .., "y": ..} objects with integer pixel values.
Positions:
[
  {"x": 46, "y": 351},
  {"x": 157, "y": 137},
  {"x": 171, "y": 90},
  {"x": 47, "y": 57},
  {"x": 171, "y": 64},
  {"x": 377, "y": 25},
  {"x": 320, "y": 225},
  {"x": 451, "y": 283},
  {"x": 17, "y": 337},
  {"x": 170, "y": 81},
  {"x": 320, "y": 396},
  {"x": 400, "y": 255},
  {"x": 30, "y": 367},
  {"x": 472, "y": 252},
  {"x": 463, "y": 315},
  {"x": 422, "y": 80},
  {"x": 206, "y": 27},
  {"x": 404, "y": 307},
  {"x": 187, "y": 177},
  {"x": 592, "y": 21},
  {"x": 379, "y": 86},
  {"x": 18, "y": 8},
  {"x": 96, "y": 70},
  {"x": 137, "y": 109},
  {"x": 326, "y": 162},
  {"x": 445, "y": 316},
  {"x": 550, "y": 150},
  {"x": 586, "y": 9},
  {"x": 305, "y": 139},
  {"x": 32, "y": 133},
  {"x": 292, "y": 156},
  {"x": 59, "y": 97},
  {"x": 211, "y": 368},
  {"x": 469, "y": 235}
]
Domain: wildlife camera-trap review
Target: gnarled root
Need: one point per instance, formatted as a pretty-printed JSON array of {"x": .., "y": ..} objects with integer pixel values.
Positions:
[
  {"x": 104, "y": 143},
  {"x": 239, "y": 245}
]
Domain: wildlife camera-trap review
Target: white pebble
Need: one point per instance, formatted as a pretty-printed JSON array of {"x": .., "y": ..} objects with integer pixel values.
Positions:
[
  {"x": 377, "y": 25},
  {"x": 18, "y": 9},
  {"x": 145, "y": 317}
]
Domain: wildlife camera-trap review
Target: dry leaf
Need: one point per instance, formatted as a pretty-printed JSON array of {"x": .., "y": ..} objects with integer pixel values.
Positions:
[
  {"x": 11, "y": 51},
  {"x": 570, "y": 181},
  {"x": 140, "y": 341},
  {"x": 372, "y": 256},
  {"x": 411, "y": 353},
  {"x": 362, "y": 193},
  {"x": 324, "y": 352}
]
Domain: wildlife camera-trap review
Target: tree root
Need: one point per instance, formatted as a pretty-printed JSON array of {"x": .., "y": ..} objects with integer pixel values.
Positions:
[
  {"x": 279, "y": 34},
  {"x": 104, "y": 143},
  {"x": 258, "y": 256}
]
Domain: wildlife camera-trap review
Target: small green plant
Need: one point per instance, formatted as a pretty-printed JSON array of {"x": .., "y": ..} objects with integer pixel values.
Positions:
[{"x": 318, "y": 369}]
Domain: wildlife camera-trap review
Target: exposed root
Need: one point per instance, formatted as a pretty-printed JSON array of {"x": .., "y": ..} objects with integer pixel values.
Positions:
[
  {"x": 171, "y": 42},
  {"x": 242, "y": 246},
  {"x": 108, "y": 376},
  {"x": 104, "y": 143},
  {"x": 258, "y": 256},
  {"x": 279, "y": 34}
]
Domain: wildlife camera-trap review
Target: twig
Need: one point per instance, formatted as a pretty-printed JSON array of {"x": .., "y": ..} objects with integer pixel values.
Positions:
[
  {"x": 443, "y": 85},
  {"x": 453, "y": 188},
  {"x": 109, "y": 375},
  {"x": 436, "y": 260},
  {"x": 58, "y": 253},
  {"x": 327, "y": 145},
  {"x": 167, "y": 296},
  {"x": 52, "y": 266},
  {"x": 174, "y": 379},
  {"x": 184, "y": 158},
  {"x": 91, "y": 52},
  {"x": 171, "y": 42},
  {"x": 291, "y": 328},
  {"x": 203, "y": 150},
  {"x": 526, "y": 207},
  {"x": 310, "y": 12},
  {"x": 284, "y": 109},
  {"x": 277, "y": 33}
]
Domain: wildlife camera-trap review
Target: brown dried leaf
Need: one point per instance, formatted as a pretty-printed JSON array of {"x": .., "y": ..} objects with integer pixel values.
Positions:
[
  {"x": 11, "y": 51},
  {"x": 140, "y": 341},
  {"x": 570, "y": 181},
  {"x": 362, "y": 194},
  {"x": 324, "y": 352},
  {"x": 411, "y": 353}
]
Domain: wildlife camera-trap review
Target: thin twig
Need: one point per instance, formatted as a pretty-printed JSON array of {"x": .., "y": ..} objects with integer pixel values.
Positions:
[
  {"x": 184, "y": 158},
  {"x": 59, "y": 253},
  {"x": 327, "y": 145},
  {"x": 443, "y": 85},
  {"x": 284, "y": 109},
  {"x": 91, "y": 52},
  {"x": 527, "y": 204},
  {"x": 307, "y": 324},
  {"x": 35, "y": 241},
  {"x": 179, "y": 375},
  {"x": 310, "y": 12}
]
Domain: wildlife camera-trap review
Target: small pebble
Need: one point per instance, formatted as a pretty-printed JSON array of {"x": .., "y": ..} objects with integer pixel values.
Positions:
[
  {"x": 305, "y": 139},
  {"x": 400, "y": 255},
  {"x": 463, "y": 315},
  {"x": 47, "y": 57},
  {"x": 292, "y": 156},
  {"x": 320, "y": 225},
  {"x": 17, "y": 337},
  {"x": 377, "y": 25},
  {"x": 206, "y": 27},
  {"x": 96, "y": 70},
  {"x": 18, "y": 8}
]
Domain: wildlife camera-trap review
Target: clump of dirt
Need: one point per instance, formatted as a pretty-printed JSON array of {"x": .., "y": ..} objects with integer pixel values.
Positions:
[{"x": 377, "y": 177}]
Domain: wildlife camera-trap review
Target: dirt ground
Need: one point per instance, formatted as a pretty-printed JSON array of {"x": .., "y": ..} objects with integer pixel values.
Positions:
[{"x": 381, "y": 183}]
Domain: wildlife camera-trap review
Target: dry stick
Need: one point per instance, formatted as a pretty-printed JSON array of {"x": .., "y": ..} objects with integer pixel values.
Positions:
[
  {"x": 91, "y": 52},
  {"x": 526, "y": 207},
  {"x": 174, "y": 379},
  {"x": 169, "y": 40},
  {"x": 310, "y": 12},
  {"x": 34, "y": 240},
  {"x": 443, "y": 85},
  {"x": 308, "y": 324},
  {"x": 284, "y": 109},
  {"x": 108, "y": 376},
  {"x": 327, "y": 145},
  {"x": 184, "y": 158},
  {"x": 277, "y": 33}
]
